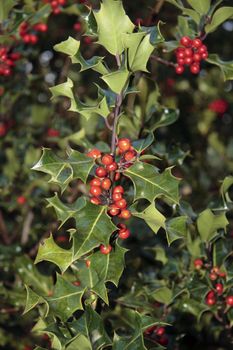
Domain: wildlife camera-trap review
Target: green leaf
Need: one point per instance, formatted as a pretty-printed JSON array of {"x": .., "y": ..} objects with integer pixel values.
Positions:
[
  {"x": 112, "y": 22},
  {"x": 193, "y": 14},
  {"x": 64, "y": 211},
  {"x": 149, "y": 184},
  {"x": 5, "y": 7},
  {"x": 94, "y": 227},
  {"x": 92, "y": 327},
  {"x": 162, "y": 295},
  {"x": 175, "y": 3},
  {"x": 154, "y": 219},
  {"x": 201, "y": 6},
  {"x": 65, "y": 89},
  {"x": 76, "y": 166},
  {"x": 226, "y": 184},
  {"x": 168, "y": 117},
  {"x": 160, "y": 255},
  {"x": 66, "y": 299},
  {"x": 117, "y": 81},
  {"x": 176, "y": 228},
  {"x": 71, "y": 48},
  {"x": 208, "y": 224},
  {"x": 91, "y": 25},
  {"x": 142, "y": 144},
  {"x": 32, "y": 300},
  {"x": 194, "y": 307},
  {"x": 221, "y": 251},
  {"x": 220, "y": 16},
  {"x": 225, "y": 66},
  {"x": 50, "y": 251},
  {"x": 102, "y": 269}
]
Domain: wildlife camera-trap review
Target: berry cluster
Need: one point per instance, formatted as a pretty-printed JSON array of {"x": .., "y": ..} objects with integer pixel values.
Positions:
[
  {"x": 218, "y": 278},
  {"x": 190, "y": 54},
  {"x": 102, "y": 189},
  {"x": 158, "y": 334},
  {"x": 56, "y": 5},
  {"x": 7, "y": 60},
  {"x": 29, "y": 34}
]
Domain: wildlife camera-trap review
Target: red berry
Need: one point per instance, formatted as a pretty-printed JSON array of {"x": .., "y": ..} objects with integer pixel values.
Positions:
[
  {"x": 95, "y": 191},
  {"x": 229, "y": 300},
  {"x": 107, "y": 159},
  {"x": 87, "y": 40},
  {"x": 77, "y": 26},
  {"x": 121, "y": 226},
  {"x": 88, "y": 263},
  {"x": 101, "y": 172},
  {"x": 204, "y": 55},
  {"x": 195, "y": 68},
  {"x": 113, "y": 210},
  {"x": 125, "y": 214},
  {"x": 197, "y": 57},
  {"x": 105, "y": 249},
  {"x": 33, "y": 39},
  {"x": 62, "y": 239},
  {"x": 219, "y": 288},
  {"x": 95, "y": 182},
  {"x": 106, "y": 184},
  {"x": 117, "y": 176},
  {"x": 56, "y": 11},
  {"x": 129, "y": 155},
  {"x": 112, "y": 167},
  {"x": 26, "y": 38},
  {"x": 118, "y": 189},
  {"x": 2, "y": 90},
  {"x": 116, "y": 196},
  {"x": 53, "y": 132},
  {"x": 198, "y": 263},
  {"x": 213, "y": 276},
  {"x": 163, "y": 340},
  {"x": 179, "y": 69},
  {"x": 185, "y": 41},
  {"x": 160, "y": 331},
  {"x": 3, "y": 129},
  {"x": 196, "y": 43},
  {"x": 95, "y": 200},
  {"x": 210, "y": 301},
  {"x": 76, "y": 283},
  {"x": 210, "y": 294},
  {"x": 15, "y": 56},
  {"x": 180, "y": 61},
  {"x": 188, "y": 60},
  {"x": 121, "y": 204},
  {"x": 94, "y": 153},
  {"x": 215, "y": 269},
  {"x": 180, "y": 53},
  {"x": 124, "y": 144},
  {"x": 202, "y": 49},
  {"x": 21, "y": 200},
  {"x": 218, "y": 106},
  {"x": 188, "y": 52},
  {"x": 124, "y": 233}
]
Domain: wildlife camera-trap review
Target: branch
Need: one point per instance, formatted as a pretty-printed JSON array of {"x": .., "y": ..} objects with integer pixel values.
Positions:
[
  {"x": 165, "y": 62},
  {"x": 27, "y": 227},
  {"x": 3, "y": 231}
]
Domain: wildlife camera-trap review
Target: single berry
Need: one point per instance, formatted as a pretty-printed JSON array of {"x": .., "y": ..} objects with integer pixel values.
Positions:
[
  {"x": 21, "y": 200},
  {"x": 120, "y": 225},
  {"x": 106, "y": 184},
  {"x": 163, "y": 340},
  {"x": 129, "y": 155},
  {"x": 196, "y": 43},
  {"x": 117, "y": 176},
  {"x": 210, "y": 294},
  {"x": 180, "y": 61},
  {"x": 3, "y": 129},
  {"x": 195, "y": 68},
  {"x": 107, "y": 159},
  {"x": 53, "y": 132},
  {"x": 101, "y": 172},
  {"x": 204, "y": 55},
  {"x": 116, "y": 196},
  {"x": 95, "y": 191},
  {"x": 88, "y": 263},
  {"x": 113, "y": 210},
  {"x": 125, "y": 214},
  {"x": 179, "y": 69},
  {"x": 105, "y": 249},
  {"x": 215, "y": 269},
  {"x": 160, "y": 331},
  {"x": 118, "y": 189},
  {"x": 188, "y": 60},
  {"x": 229, "y": 300},
  {"x": 210, "y": 301},
  {"x": 202, "y": 49},
  {"x": 213, "y": 276},
  {"x": 219, "y": 288},
  {"x": 185, "y": 41},
  {"x": 188, "y": 52},
  {"x": 95, "y": 200},
  {"x": 94, "y": 153},
  {"x": 95, "y": 182},
  {"x": 124, "y": 144},
  {"x": 77, "y": 26},
  {"x": 121, "y": 204},
  {"x": 76, "y": 283},
  {"x": 197, "y": 57},
  {"x": 198, "y": 263},
  {"x": 112, "y": 167},
  {"x": 124, "y": 233}
]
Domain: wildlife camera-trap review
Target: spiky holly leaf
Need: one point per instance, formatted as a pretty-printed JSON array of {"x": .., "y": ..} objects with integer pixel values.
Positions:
[
  {"x": 76, "y": 166},
  {"x": 176, "y": 228},
  {"x": 208, "y": 224},
  {"x": 117, "y": 81},
  {"x": 102, "y": 269},
  {"x": 50, "y": 251},
  {"x": 143, "y": 144},
  {"x": 149, "y": 184},
  {"x": 225, "y": 66},
  {"x": 162, "y": 295},
  {"x": 66, "y": 90},
  {"x": 91, "y": 325},
  {"x": 65, "y": 211},
  {"x": 66, "y": 299},
  {"x": 226, "y": 185},
  {"x": 71, "y": 47},
  {"x": 154, "y": 219},
  {"x": 112, "y": 22},
  {"x": 94, "y": 227},
  {"x": 33, "y": 299}
]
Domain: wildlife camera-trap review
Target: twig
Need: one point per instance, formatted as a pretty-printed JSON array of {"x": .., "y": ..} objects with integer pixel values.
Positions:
[
  {"x": 165, "y": 62},
  {"x": 27, "y": 227},
  {"x": 3, "y": 231}
]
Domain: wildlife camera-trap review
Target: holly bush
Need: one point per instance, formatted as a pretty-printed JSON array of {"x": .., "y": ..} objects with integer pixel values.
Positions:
[{"x": 116, "y": 186}]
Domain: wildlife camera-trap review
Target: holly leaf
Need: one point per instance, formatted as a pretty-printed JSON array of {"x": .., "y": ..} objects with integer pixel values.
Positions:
[
  {"x": 66, "y": 299},
  {"x": 112, "y": 22},
  {"x": 208, "y": 224},
  {"x": 220, "y": 16},
  {"x": 142, "y": 144},
  {"x": 202, "y": 7},
  {"x": 162, "y": 295},
  {"x": 168, "y": 117},
  {"x": 5, "y": 8},
  {"x": 76, "y": 166},
  {"x": 225, "y": 186},
  {"x": 65, "y": 90},
  {"x": 225, "y": 66},
  {"x": 154, "y": 219},
  {"x": 117, "y": 81},
  {"x": 50, "y": 251},
  {"x": 149, "y": 184},
  {"x": 194, "y": 307},
  {"x": 71, "y": 48},
  {"x": 176, "y": 228},
  {"x": 33, "y": 299},
  {"x": 94, "y": 227},
  {"x": 91, "y": 325},
  {"x": 221, "y": 251}
]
